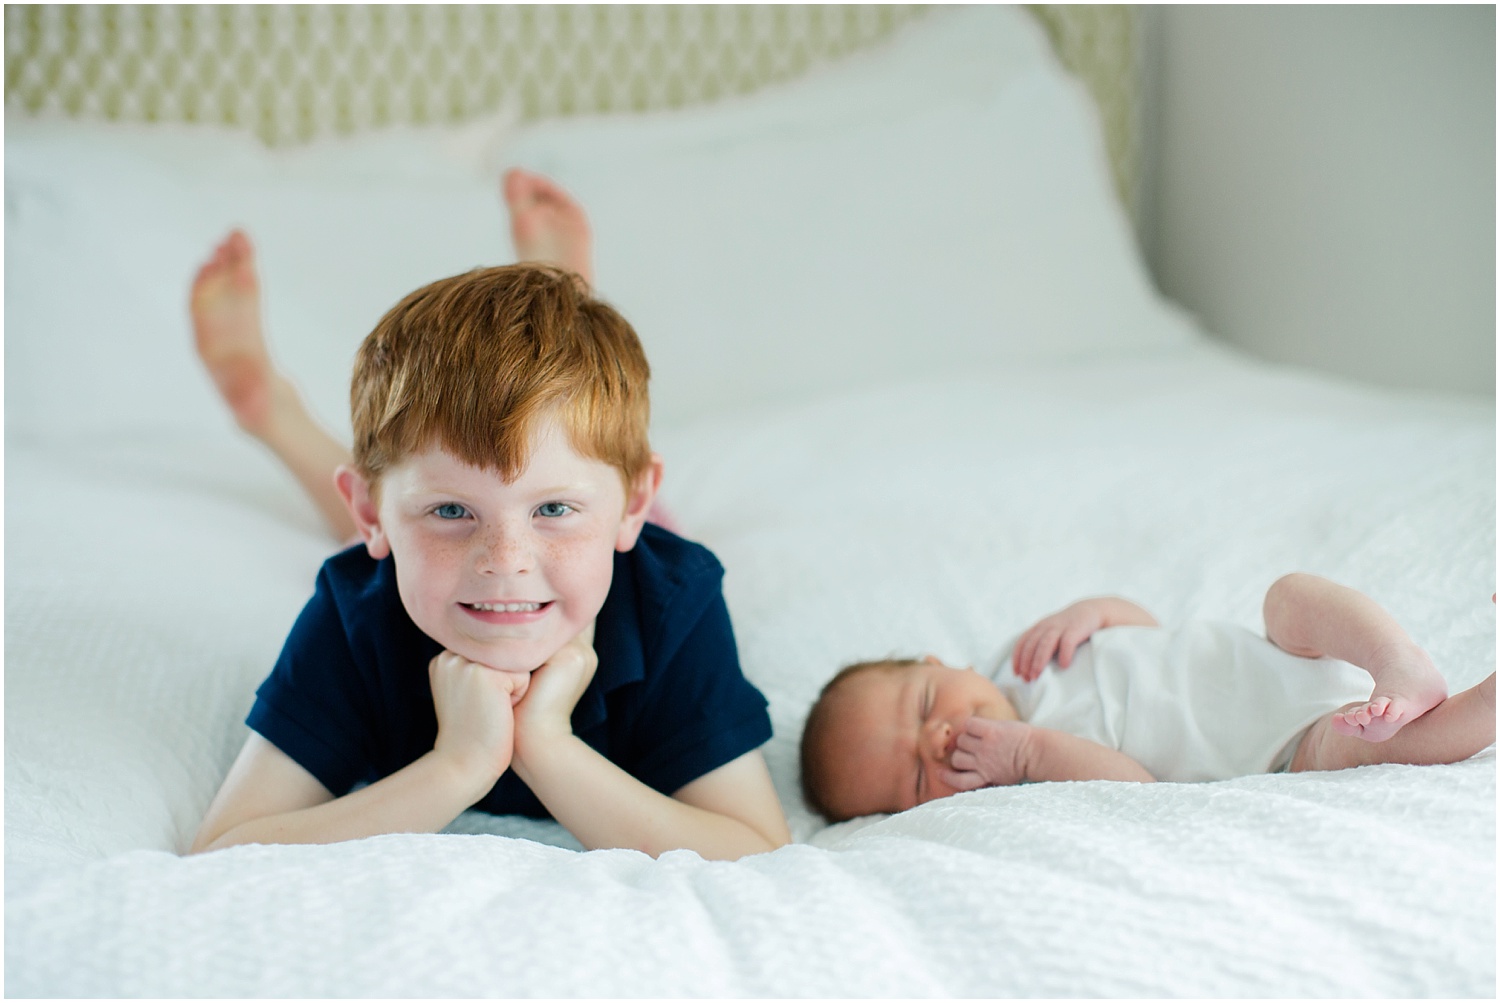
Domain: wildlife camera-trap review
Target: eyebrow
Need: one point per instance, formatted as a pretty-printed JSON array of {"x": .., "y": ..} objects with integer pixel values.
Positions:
[
  {"x": 582, "y": 490},
  {"x": 465, "y": 492}
]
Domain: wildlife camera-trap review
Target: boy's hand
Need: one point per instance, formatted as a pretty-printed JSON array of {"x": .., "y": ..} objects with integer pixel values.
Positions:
[
  {"x": 546, "y": 712},
  {"x": 1057, "y": 636},
  {"x": 989, "y": 754},
  {"x": 476, "y": 723}
]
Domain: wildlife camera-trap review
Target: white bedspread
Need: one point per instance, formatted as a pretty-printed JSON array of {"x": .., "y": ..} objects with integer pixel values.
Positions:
[
  {"x": 148, "y": 589},
  {"x": 905, "y": 424}
]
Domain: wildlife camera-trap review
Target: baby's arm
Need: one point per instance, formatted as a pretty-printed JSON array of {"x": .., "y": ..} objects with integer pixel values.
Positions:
[
  {"x": 727, "y": 813},
  {"x": 269, "y": 798},
  {"x": 994, "y": 753},
  {"x": 1059, "y": 635}
]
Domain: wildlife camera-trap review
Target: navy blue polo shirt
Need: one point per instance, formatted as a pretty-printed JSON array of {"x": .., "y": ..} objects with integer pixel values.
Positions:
[{"x": 349, "y": 698}]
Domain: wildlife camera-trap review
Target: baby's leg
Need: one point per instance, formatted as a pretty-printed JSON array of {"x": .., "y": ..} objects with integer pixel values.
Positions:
[
  {"x": 547, "y": 225},
  {"x": 1454, "y": 730},
  {"x": 1313, "y": 617},
  {"x": 225, "y": 308}
]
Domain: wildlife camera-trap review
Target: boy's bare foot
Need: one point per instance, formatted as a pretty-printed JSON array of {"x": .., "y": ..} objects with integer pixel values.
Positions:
[
  {"x": 546, "y": 224},
  {"x": 225, "y": 306},
  {"x": 1407, "y": 685}
]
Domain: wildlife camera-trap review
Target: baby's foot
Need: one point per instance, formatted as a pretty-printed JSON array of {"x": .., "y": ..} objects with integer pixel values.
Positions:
[
  {"x": 225, "y": 306},
  {"x": 1407, "y": 685},
  {"x": 547, "y": 225}
]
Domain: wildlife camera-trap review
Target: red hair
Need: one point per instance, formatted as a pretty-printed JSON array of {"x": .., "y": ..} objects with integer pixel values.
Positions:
[{"x": 473, "y": 362}]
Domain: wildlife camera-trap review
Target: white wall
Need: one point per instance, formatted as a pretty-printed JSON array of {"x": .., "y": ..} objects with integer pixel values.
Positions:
[{"x": 1319, "y": 184}]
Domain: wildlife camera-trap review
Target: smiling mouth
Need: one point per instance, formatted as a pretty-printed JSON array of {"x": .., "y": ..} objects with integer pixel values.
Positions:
[{"x": 506, "y": 607}]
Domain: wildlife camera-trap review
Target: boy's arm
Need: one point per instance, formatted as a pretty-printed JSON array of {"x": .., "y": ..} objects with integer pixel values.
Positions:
[
  {"x": 997, "y": 753},
  {"x": 1059, "y": 635},
  {"x": 268, "y": 797},
  {"x": 727, "y": 813}
]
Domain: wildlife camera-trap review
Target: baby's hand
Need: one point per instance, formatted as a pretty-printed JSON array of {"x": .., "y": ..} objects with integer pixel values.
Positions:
[
  {"x": 989, "y": 754},
  {"x": 1057, "y": 636},
  {"x": 546, "y": 713},
  {"x": 476, "y": 723}
]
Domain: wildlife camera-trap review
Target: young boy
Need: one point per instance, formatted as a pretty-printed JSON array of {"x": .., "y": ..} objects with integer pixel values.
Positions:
[
  {"x": 1204, "y": 702},
  {"x": 511, "y": 634}
]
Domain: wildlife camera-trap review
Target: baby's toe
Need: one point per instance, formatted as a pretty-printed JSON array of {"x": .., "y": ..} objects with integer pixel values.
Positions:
[{"x": 1342, "y": 725}]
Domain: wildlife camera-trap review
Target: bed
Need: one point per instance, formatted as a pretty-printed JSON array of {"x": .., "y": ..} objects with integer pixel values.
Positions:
[{"x": 914, "y": 388}]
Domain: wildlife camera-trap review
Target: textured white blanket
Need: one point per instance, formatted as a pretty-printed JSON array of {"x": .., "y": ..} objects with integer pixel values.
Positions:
[
  {"x": 867, "y": 299},
  {"x": 148, "y": 588}
]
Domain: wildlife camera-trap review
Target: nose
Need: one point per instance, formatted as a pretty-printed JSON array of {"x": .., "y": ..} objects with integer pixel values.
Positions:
[
  {"x": 938, "y": 739},
  {"x": 504, "y": 549}
]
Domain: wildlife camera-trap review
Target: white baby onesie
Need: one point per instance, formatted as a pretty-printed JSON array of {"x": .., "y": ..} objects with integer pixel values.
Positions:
[{"x": 1205, "y": 701}]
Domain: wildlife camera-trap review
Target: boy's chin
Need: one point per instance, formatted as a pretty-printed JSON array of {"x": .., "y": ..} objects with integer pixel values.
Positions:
[{"x": 506, "y": 656}]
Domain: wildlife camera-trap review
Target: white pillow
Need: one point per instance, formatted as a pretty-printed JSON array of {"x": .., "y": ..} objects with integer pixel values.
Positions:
[
  {"x": 106, "y": 224},
  {"x": 939, "y": 204}
]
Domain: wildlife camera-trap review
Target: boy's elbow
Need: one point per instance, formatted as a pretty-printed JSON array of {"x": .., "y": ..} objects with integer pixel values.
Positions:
[
  {"x": 203, "y": 842},
  {"x": 781, "y": 837},
  {"x": 756, "y": 844},
  {"x": 765, "y": 833},
  {"x": 772, "y": 836},
  {"x": 210, "y": 839},
  {"x": 770, "y": 841},
  {"x": 746, "y": 840}
]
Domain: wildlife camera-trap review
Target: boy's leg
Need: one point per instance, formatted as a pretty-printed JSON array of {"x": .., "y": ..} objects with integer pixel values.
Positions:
[
  {"x": 1312, "y": 617},
  {"x": 225, "y": 308},
  {"x": 547, "y": 225},
  {"x": 1454, "y": 730}
]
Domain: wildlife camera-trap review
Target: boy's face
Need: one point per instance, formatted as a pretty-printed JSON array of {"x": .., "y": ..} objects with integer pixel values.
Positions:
[
  {"x": 502, "y": 574},
  {"x": 894, "y": 729}
]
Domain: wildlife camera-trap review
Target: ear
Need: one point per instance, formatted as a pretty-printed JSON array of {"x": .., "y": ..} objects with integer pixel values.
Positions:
[
  {"x": 638, "y": 504},
  {"x": 358, "y": 496}
]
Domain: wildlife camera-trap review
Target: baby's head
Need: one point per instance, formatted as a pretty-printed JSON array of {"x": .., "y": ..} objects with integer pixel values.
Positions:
[
  {"x": 501, "y": 457},
  {"x": 880, "y": 734}
]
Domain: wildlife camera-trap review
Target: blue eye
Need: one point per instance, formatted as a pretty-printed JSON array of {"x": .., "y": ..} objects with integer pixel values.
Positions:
[
  {"x": 450, "y": 510},
  {"x": 552, "y": 510}
]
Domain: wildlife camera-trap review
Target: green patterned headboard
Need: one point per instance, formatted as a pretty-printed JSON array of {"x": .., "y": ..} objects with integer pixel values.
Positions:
[{"x": 297, "y": 72}]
